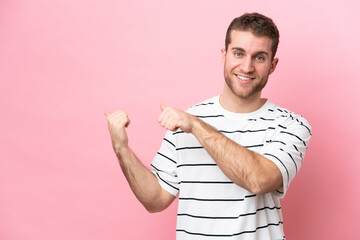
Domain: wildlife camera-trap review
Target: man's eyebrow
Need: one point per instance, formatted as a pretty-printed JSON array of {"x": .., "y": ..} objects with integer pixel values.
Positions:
[
  {"x": 261, "y": 52},
  {"x": 238, "y": 48},
  {"x": 242, "y": 50}
]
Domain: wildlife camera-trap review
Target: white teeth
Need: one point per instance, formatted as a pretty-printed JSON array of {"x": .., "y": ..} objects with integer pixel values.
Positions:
[{"x": 243, "y": 78}]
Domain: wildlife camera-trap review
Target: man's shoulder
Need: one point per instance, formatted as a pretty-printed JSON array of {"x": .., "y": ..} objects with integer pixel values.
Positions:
[
  {"x": 209, "y": 101},
  {"x": 205, "y": 106},
  {"x": 286, "y": 116}
]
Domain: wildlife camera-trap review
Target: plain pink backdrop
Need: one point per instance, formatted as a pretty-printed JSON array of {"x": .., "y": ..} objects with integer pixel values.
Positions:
[{"x": 63, "y": 63}]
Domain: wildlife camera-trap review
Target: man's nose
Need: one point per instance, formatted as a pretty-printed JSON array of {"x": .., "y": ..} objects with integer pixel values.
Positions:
[{"x": 247, "y": 65}]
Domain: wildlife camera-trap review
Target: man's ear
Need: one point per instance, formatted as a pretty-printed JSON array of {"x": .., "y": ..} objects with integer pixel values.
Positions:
[
  {"x": 223, "y": 54},
  {"x": 274, "y": 63}
]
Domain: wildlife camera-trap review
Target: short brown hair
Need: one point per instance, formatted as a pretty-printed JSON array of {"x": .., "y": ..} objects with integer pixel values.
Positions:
[{"x": 258, "y": 25}]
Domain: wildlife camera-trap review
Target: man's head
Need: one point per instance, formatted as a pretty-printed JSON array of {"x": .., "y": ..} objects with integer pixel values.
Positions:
[
  {"x": 257, "y": 24},
  {"x": 248, "y": 56}
]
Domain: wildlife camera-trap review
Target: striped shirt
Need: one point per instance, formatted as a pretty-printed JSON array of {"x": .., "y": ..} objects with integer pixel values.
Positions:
[{"x": 211, "y": 206}]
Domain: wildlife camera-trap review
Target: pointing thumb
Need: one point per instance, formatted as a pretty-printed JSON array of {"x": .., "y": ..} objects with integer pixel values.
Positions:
[
  {"x": 162, "y": 107},
  {"x": 107, "y": 114}
]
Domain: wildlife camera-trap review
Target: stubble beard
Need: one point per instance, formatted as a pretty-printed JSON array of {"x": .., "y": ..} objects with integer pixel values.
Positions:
[{"x": 254, "y": 89}]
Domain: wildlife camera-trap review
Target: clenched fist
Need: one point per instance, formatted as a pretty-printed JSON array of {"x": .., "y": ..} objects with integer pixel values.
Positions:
[
  {"x": 173, "y": 119},
  {"x": 117, "y": 122}
]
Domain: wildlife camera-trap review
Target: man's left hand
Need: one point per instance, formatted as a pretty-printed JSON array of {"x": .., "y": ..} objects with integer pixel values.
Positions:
[{"x": 172, "y": 119}]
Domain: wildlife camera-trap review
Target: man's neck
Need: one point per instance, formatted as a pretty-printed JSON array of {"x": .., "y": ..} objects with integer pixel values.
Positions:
[{"x": 237, "y": 104}]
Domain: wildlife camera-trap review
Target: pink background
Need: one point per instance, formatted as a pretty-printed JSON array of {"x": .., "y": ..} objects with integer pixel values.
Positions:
[{"x": 63, "y": 63}]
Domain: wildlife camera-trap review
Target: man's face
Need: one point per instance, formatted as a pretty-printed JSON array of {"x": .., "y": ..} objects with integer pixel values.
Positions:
[{"x": 247, "y": 64}]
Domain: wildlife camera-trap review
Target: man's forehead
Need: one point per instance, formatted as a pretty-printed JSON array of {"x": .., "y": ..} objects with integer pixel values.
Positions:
[
  {"x": 248, "y": 32},
  {"x": 246, "y": 40}
]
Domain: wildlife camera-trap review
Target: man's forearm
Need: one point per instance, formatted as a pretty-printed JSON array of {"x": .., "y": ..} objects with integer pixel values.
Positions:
[
  {"x": 246, "y": 168},
  {"x": 143, "y": 182}
]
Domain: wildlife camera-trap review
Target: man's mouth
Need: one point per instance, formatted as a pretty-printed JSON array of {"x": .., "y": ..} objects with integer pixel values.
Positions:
[{"x": 244, "y": 79}]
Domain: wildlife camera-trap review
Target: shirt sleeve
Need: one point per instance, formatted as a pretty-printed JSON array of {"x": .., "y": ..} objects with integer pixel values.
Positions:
[
  {"x": 164, "y": 165},
  {"x": 287, "y": 148}
]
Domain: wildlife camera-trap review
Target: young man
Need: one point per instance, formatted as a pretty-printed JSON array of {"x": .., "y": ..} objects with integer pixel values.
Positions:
[{"x": 229, "y": 159}]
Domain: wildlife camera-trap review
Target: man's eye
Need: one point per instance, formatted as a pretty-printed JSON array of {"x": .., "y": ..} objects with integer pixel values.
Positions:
[
  {"x": 260, "y": 58},
  {"x": 238, "y": 54}
]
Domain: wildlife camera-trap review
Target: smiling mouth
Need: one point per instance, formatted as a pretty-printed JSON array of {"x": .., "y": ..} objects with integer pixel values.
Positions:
[{"x": 244, "y": 78}]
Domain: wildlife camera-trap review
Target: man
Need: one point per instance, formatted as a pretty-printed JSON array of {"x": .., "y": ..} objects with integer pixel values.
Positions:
[{"x": 229, "y": 159}]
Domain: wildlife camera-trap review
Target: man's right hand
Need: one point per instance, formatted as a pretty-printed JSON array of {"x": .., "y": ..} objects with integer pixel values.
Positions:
[
  {"x": 142, "y": 181},
  {"x": 117, "y": 122}
]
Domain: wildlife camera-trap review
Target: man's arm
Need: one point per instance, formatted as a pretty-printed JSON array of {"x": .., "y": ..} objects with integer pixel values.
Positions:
[
  {"x": 142, "y": 181},
  {"x": 246, "y": 168}
]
